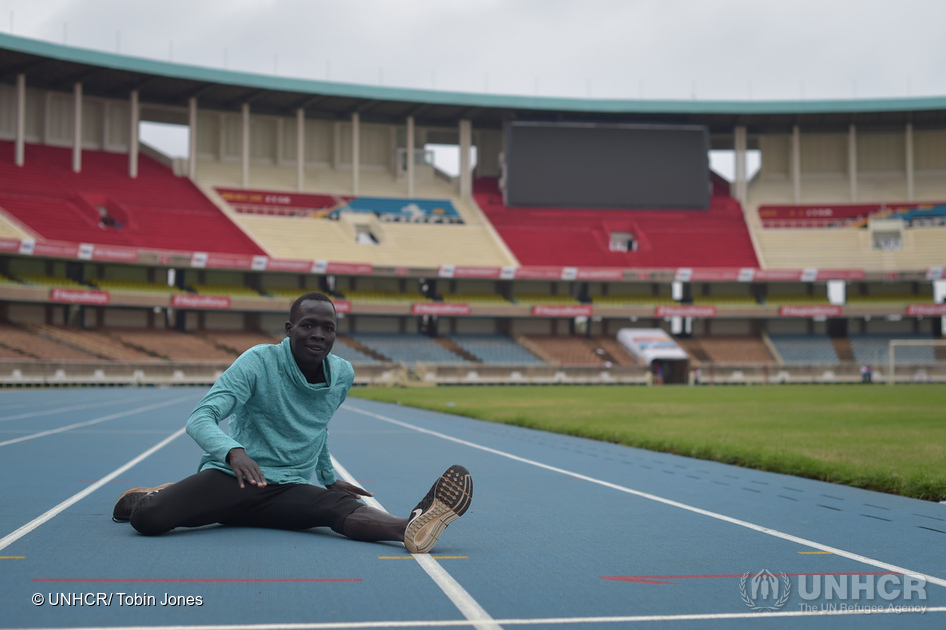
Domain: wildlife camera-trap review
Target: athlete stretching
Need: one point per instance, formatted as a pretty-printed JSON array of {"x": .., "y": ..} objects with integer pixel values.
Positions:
[{"x": 279, "y": 399}]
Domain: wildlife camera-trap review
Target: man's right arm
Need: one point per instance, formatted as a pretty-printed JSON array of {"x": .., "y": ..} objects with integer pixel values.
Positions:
[{"x": 233, "y": 389}]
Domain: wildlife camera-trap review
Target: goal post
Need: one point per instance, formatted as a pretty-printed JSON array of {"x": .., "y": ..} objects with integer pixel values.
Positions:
[{"x": 898, "y": 343}]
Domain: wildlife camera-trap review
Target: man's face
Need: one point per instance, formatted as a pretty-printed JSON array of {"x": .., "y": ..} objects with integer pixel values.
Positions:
[{"x": 312, "y": 335}]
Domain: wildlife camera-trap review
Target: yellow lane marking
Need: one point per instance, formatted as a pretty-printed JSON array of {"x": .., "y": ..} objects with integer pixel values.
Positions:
[
  {"x": 434, "y": 557},
  {"x": 12, "y": 557}
]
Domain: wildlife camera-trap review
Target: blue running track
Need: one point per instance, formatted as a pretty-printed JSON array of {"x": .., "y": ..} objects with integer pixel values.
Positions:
[{"x": 563, "y": 532}]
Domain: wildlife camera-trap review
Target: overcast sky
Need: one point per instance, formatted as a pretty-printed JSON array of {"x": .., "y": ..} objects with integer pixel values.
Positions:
[{"x": 653, "y": 49}]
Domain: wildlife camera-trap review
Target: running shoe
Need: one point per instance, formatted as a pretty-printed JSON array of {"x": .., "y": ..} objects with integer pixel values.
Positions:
[
  {"x": 125, "y": 503},
  {"x": 448, "y": 499}
]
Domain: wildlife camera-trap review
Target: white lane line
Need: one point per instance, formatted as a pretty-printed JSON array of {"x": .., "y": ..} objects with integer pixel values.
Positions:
[
  {"x": 121, "y": 414},
  {"x": 39, "y": 520},
  {"x": 755, "y": 617},
  {"x": 468, "y": 607},
  {"x": 49, "y": 412},
  {"x": 683, "y": 506}
]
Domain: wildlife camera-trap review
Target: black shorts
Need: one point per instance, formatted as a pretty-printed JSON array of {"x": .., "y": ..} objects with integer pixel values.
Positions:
[{"x": 212, "y": 496}]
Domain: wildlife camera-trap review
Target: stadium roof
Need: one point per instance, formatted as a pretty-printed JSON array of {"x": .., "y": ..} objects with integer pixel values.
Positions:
[{"x": 57, "y": 67}]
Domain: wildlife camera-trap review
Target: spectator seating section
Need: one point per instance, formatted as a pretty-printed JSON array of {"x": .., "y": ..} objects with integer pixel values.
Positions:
[
  {"x": 135, "y": 285},
  {"x": 385, "y": 296},
  {"x": 495, "y": 349},
  {"x": 632, "y": 300},
  {"x": 21, "y": 343},
  {"x": 728, "y": 349},
  {"x": 544, "y": 298},
  {"x": 564, "y": 350},
  {"x": 225, "y": 289},
  {"x": 96, "y": 342},
  {"x": 407, "y": 348},
  {"x": 849, "y": 249},
  {"x": 474, "y": 298},
  {"x": 875, "y": 350},
  {"x": 798, "y": 298},
  {"x": 238, "y": 342},
  {"x": 350, "y": 353},
  {"x": 174, "y": 345},
  {"x": 50, "y": 281},
  {"x": 805, "y": 349},
  {"x": 156, "y": 210},
  {"x": 718, "y": 237}
]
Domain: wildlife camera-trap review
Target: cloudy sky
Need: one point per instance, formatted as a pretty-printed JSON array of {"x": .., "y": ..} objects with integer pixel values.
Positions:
[
  {"x": 627, "y": 49},
  {"x": 655, "y": 49}
]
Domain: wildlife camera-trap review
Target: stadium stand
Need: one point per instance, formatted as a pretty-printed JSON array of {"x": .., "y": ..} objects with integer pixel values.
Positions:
[
  {"x": 174, "y": 345},
  {"x": 225, "y": 289},
  {"x": 155, "y": 210},
  {"x": 135, "y": 285},
  {"x": 238, "y": 342},
  {"x": 728, "y": 349},
  {"x": 98, "y": 343},
  {"x": 407, "y": 348},
  {"x": 875, "y": 350},
  {"x": 35, "y": 346},
  {"x": 385, "y": 296},
  {"x": 805, "y": 349},
  {"x": 563, "y": 350},
  {"x": 346, "y": 349},
  {"x": 474, "y": 298},
  {"x": 717, "y": 237},
  {"x": 496, "y": 349}
]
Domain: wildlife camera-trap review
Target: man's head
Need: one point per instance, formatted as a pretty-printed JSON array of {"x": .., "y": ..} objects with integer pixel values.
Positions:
[{"x": 311, "y": 331}]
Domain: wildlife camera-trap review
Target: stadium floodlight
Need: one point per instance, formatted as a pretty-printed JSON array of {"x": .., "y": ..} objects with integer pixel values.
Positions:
[{"x": 894, "y": 343}]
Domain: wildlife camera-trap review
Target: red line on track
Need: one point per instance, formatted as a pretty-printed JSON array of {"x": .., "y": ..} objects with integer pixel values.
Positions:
[
  {"x": 195, "y": 580},
  {"x": 665, "y": 579}
]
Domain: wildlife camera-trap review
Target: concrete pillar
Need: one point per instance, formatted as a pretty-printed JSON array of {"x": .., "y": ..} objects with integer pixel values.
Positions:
[
  {"x": 77, "y": 131},
  {"x": 133, "y": 115},
  {"x": 466, "y": 172},
  {"x": 911, "y": 190},
  {"x": 852, "y": 160},
  {"x": 410, "y": 156},
  {"x": 740, "y": 145},
  {"x": 20, "y": 145},
  {"x": 300, "y": 149},
  {"x": 795, "y": 165},
  {"x": 245, "y": 152},
  {"x": 192, "y": 141},
  {"x": 355, "y": 156}
]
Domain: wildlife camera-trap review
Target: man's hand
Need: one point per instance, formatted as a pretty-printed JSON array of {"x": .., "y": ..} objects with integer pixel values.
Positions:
[
  {"x": 243, "y": 466},
  {"x": 350, "y": 488}
]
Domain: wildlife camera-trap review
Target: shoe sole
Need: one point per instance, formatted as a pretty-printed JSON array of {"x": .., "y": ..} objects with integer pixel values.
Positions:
[
  {"x": 130, "y": 491},
  {"x": 453, "y": 493}
]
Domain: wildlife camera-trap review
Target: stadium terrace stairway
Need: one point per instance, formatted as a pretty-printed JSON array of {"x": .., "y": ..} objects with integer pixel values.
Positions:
[
  {"x": 156, "y": 210},
  {"x": 718, "y": 237}
]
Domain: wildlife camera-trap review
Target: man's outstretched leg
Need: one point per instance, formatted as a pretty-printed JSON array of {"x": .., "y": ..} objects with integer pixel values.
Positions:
[{"x": 447, "y": 500}]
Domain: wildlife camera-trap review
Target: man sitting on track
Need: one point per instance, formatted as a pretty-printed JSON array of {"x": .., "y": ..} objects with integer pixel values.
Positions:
[{"x": 279, "y": 399}]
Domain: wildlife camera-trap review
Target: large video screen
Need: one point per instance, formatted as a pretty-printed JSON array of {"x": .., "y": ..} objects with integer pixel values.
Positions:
[{"x": 607, "y": 165}]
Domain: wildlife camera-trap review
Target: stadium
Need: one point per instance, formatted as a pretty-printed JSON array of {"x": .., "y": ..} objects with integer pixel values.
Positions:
[{"x": 583, "y": 243}]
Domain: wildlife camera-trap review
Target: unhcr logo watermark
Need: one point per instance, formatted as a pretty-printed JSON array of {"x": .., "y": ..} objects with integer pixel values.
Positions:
[{"x": 854, "y": 592}]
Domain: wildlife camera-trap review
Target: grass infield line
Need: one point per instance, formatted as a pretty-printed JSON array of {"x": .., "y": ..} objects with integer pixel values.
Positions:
[
  {"x": 49, "y": 514},
  {"x": 652, "y": 497}
]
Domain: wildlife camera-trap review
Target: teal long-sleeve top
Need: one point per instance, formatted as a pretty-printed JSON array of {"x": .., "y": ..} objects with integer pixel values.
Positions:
[{"x": 278, "y": 417}]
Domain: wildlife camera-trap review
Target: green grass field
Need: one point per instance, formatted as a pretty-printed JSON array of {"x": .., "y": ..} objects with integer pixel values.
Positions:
[{"x": 891, "y": 439}]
